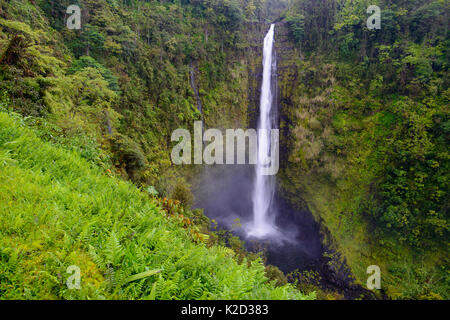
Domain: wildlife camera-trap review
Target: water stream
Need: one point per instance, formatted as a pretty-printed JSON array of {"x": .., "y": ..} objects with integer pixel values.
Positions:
[{"x": 264, "y": 186}]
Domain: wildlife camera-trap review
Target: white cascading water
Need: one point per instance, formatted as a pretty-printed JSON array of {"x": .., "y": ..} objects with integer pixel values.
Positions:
[{"x": 264, "y": 187}]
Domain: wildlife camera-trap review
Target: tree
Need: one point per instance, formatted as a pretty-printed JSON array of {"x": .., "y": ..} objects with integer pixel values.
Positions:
[{"x": 297, "y": 26}]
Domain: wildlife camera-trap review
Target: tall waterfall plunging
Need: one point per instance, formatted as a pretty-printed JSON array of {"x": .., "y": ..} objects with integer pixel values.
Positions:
[
  {"x": 290, "y": 237},
  {"x": 264, "y": 186}
]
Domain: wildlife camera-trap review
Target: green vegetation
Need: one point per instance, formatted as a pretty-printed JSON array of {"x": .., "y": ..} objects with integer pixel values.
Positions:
[
  {"x": 368, "y": 138},
  {"x": 60, "y": 210},
  {"x": 122, "y": 81},
  {"x": 86, "y": 118}
]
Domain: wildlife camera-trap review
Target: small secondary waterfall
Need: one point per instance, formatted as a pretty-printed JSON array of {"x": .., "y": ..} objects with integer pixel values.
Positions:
[
  {"x": 264, "y": 187},
  {"x": 197, "y": 95}
]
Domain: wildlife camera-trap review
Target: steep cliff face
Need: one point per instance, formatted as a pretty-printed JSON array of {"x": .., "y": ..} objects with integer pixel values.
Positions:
[
  {"x": 245, "y": 66},
  {"x": 363, "y": 115},
  {"x": 288, "y": 58},
  {"x": 311, "y": 174},
  {"x": 224, "y": 192},
  {"x": 302, "y": 181},
  {"x": 334, "y": 132},
  {"x": 253, "y": 58}
]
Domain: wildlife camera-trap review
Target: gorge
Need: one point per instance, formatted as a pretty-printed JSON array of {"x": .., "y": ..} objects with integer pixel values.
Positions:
[
  {"x": 291, "y": 238},
  {"x": 87, "y": 176}
]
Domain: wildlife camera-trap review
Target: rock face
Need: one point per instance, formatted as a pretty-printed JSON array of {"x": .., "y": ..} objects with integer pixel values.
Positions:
[
  {"x": 245, "y": 65},
  {"x": 299, "y": 203},
  {"x": 255, "y": 33},
  {"x": 251, "y": 60},
  {"x": 288, "y": 57}
]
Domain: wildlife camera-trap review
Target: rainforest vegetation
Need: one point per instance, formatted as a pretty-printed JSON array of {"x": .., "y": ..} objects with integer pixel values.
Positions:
[{"x": 86, "y": 118}]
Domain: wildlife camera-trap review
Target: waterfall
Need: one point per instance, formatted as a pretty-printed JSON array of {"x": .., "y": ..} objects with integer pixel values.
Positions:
[
  {"x": 264, "y": 186},
  {"x": 194, "y": 87}
]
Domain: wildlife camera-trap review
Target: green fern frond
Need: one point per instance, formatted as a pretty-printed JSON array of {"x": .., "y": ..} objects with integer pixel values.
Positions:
[{"x": 143, "y": 275}]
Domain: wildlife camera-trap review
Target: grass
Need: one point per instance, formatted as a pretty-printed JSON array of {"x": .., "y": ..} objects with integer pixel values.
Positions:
[{"x": 58, "y": 210}]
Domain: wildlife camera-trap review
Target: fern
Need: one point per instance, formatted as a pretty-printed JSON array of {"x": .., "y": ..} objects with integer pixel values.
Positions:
[
  {"x": 113, "y": 251},
  {"x": 67, "y": 212},
  {"x": 143, "y": 275}
]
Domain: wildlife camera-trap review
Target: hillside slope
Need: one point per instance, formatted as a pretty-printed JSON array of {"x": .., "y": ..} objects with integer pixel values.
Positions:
[{"x": 59, "y": 210}]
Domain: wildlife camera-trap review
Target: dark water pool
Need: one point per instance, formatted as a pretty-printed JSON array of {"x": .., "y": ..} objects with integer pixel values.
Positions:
[{"x": 225, "y": 194}]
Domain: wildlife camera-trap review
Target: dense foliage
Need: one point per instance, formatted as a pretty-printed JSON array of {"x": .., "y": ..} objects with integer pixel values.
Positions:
[
  {"x": 395, "y": 80},
  {"x": 369, "y": 114},
  {"x": 104, "y": 99},
  {"x": 365, "y": 128},
  {"x": 139, "y": 56},
  {"x": 60, "y": 210}
]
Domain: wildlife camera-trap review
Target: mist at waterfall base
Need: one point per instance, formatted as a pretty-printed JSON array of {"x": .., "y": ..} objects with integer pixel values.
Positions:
[{"x": 225, "y": 194}]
